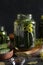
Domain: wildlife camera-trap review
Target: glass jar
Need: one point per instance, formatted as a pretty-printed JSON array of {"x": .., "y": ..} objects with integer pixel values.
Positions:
[{"x": 24, "y": 31}]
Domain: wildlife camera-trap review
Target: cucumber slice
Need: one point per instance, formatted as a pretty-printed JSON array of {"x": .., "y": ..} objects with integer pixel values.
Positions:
[
  {"x": 5, "y": 45},
  {"x": 3, "y": 51}
]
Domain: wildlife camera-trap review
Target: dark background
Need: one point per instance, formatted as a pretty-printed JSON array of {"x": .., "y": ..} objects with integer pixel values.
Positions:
[{"x": 10, "y": 8}]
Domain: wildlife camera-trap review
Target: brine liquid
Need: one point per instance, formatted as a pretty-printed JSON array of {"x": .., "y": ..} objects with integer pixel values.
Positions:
[{"x": 25, "y": 41}]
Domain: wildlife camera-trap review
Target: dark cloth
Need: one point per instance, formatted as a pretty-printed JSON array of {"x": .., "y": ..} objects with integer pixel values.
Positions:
[{"x": 39, "y": 61}]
